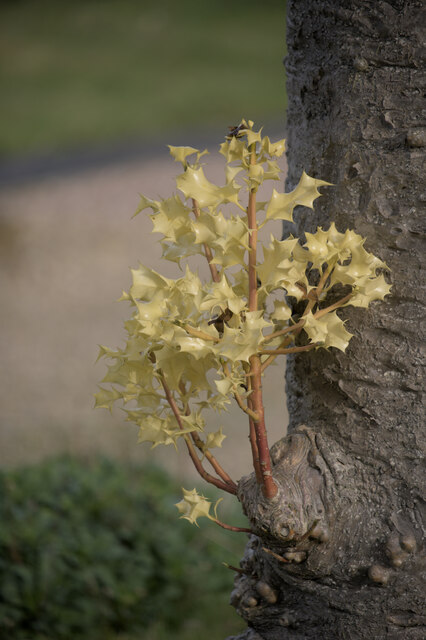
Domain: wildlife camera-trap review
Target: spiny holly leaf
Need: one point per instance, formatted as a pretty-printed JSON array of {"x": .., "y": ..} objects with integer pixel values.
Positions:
[
  {"x": 272, "y": 172},
  {"x": 239, "y": 344},
  {"x": 194, "y": 184},
  {"x": 180, "y": 154},
  {"x": 329, "y": 330},
  {"x": 107, "y": 352},
  {"x": 273, "y": 149},
  {"x": 331, "y": 245},
  {"x": 194, "y": 422},
  {"x": 194, "y": 506},
  {"x": 369, "y": 289},
  {"x": 145, "y": 203},
  {"x": 215, "y": 439},
  {"x": 146, "y": 282},
  {"x": 281, "y": 205},
  {"x": 362, "y": 264},
  {"x": 255, "y": 175},
  {"x": 220, "y": 294},
  {"x": 228, "y": 237},
  {"x": 232, "y": 172},
  {"x": 105, "y": 398},
  {"x": 171, "y": 218},
  {"x": 277, "y": 260},
  {"x": 282, "y": 312},
  {"x": 253, "y": 136},
  {"x": 231, "y": 245},
  {"x": 234, "y": 149},
  {"x": 159, "y": 431}
]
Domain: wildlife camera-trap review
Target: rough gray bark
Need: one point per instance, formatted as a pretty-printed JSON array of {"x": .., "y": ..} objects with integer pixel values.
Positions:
[{"x": 348, "y": 519}]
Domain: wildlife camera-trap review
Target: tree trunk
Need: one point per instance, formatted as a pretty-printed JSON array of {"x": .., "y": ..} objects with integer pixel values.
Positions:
[{"x": 338, "y": 553}]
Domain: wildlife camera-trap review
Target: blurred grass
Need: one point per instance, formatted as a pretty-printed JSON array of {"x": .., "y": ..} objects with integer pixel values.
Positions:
[{"x": 78, "y": 73}]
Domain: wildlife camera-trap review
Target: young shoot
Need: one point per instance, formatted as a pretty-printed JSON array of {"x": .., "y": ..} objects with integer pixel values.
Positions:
[{"x": 193, "y": 345}]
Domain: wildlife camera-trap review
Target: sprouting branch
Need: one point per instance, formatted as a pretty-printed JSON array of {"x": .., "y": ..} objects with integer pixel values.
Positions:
[
  {"x": 231, "y": 528},
  {"x": 332, "y": 307},
  {"x": 212, "y": 460},
  {"x": 220, "y": 484},
  {"x": 277, "y": 352},
  {"x": 271, "y": 359},
  {"x": 283, "y": 332},
  {"x": 207, "y": 454}
]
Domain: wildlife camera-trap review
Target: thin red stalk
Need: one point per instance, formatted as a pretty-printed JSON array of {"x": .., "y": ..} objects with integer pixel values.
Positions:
[
  {"x": 255, "y": 451},
  {"x": 200, "y": 446},
  {"x": 283, "y": 332},
  {"x": 336, "y": 305},
  {"x": 269, "y": 487},
  {"x": 271, "y": 359},
  {"x": 212, "y": 460},
  {"x": 252, "y": 431},
  {"x": 207, "y": 250},
  {"x": 277, "y": 352},
  {"x": 195, "y": 459},
  {"x": 230, "y": 528}
]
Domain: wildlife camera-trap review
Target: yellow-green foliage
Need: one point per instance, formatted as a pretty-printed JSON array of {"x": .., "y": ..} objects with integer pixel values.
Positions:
[{"x": 198, "y": 337}]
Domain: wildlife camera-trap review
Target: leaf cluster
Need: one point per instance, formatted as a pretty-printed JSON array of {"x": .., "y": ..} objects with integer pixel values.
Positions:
[{"x": 176, "y": 334}]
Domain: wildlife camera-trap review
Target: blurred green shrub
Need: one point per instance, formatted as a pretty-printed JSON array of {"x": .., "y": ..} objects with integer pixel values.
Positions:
[{"x": 89, "y": 550}]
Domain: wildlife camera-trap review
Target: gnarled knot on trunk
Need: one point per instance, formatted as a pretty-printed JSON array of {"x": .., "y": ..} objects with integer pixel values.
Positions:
[{"x": 297, "y": 517}]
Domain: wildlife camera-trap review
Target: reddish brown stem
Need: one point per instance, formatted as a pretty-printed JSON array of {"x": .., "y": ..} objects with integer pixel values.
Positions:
[
  {"x": 212, "y": 460},
  {"x": 276, "y": 352},
  {"x": 269, "y": 487},
  {"x": 283, "y": 332},
  {"x": 207, "y": 250},
  {"x": 200, "y": 446},
  {"x": 231, "y": 528},
  {"x": 271, "y": 359},
  {"x": 332, "y": 307},
  {"x": 195, "y": 459},
  {"x": 254, "y": 449}
]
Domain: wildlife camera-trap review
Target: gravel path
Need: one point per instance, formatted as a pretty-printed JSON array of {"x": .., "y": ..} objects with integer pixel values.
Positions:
[{"x": 66, "y": 246}]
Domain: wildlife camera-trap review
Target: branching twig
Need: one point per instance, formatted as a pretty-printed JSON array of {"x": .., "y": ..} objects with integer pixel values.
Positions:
[
  {"x": 332, "y": 307},
  {"x": 276, "y": 352},
  {"x": 283, "y": 332},
  {"x": 207, "y": 454},
  {"x": 220, "y": 484},
  {"x": 230, "y": 528}
]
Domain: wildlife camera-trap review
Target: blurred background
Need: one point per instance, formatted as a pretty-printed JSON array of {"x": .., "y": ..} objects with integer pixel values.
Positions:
[{"x": 92, "y": 91}]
